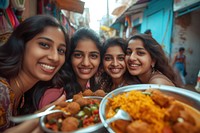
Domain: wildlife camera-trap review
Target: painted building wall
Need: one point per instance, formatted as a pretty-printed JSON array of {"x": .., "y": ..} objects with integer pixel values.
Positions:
[
  {"x": 186, "y": 34},
  {"x": 158, "y": 16}
]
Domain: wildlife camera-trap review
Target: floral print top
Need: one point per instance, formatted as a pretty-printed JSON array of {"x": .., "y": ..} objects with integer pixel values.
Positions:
[{"x": 6, "y": 104}]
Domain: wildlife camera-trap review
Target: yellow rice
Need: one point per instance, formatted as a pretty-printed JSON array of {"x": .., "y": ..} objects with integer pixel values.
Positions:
[{"x": 140, "y": 107}]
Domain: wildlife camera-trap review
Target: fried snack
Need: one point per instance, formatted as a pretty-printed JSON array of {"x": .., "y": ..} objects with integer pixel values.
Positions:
[
  {"x": 82, "y": 112},
  {"x": 153, "y": 112},
  {"x": 77, "y": 96},
  {"x": 88, "y": 92},
  {"x": 70, "y": 124},
  {"x": 82, "y": 101},
  {"x": 73, "y": 108},
  {"x": 100, "y": 93}
]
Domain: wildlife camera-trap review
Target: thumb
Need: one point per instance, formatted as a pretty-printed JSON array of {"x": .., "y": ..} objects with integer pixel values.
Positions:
[{"x": 60, "y": 99}]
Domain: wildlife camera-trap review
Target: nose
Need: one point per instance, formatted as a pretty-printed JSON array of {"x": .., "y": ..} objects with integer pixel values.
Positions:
[
  {"x": 86, "y": 61},
  {"x": 132, "y": 57},
  {"x": 53, "y": 55},
  {"x": 115, "y": 62}
]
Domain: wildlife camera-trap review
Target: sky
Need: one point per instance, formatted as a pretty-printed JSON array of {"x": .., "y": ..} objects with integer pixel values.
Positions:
[{"x": 98, "y": 9}]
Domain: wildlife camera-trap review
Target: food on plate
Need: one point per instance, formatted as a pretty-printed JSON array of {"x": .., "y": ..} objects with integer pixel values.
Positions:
[
  {"x": 100, "y": 93},
  {"x": 152, "y": 112},
  {"x": 81, "y": 112}
]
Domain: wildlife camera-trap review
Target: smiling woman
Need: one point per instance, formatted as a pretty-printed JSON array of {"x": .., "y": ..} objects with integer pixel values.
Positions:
[
  {"x": 34, "y": 53},
  {"x": 113, "y": 65},
  {"x": 84, "y": 61}
]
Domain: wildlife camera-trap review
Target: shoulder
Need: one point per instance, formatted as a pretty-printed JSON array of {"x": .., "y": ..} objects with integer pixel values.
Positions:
[
  {"x": 50, "y": 96},
  {"x": 159, "y": 78}
]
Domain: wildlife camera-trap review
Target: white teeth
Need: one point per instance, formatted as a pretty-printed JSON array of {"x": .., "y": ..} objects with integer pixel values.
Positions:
[
  {"x": 115, "y": 70},
  {"x": 85, "y": 70},
  {"x": 47, "y": 66},
  {"x": 133, "y": 65}
]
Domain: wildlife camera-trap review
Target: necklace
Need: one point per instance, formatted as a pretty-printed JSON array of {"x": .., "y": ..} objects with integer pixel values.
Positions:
[{"x": 21, "y": 91}]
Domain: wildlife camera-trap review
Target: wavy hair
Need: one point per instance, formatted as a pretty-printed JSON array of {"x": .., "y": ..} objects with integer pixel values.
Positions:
[
  {"x": 12, "y": 52},
  {"x": 157, "y": 53},
  {"x": 105, "y": 81},
  {"x": 81, "y": 34}
]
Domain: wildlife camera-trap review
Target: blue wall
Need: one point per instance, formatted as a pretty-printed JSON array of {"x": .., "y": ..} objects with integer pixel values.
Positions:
[{"x": 158, "y": 16}]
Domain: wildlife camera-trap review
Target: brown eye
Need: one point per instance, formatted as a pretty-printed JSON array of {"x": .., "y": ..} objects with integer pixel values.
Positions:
[
  {"x": 107, "y": 58},
  {"x": 128, "y": 52},
  {"x": 77, "y": 55},
  {"x": 61, "y": 51},
  {"x": 94, "y": 56},
  {"x": 44, "y": 45},
  {"x": 121, "y": 58}
]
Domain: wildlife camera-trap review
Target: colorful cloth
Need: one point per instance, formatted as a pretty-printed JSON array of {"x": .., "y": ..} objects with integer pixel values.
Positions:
[{"x": 6, "y": 104}]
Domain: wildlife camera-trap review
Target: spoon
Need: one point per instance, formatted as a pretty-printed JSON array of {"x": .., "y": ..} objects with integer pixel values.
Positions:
[
  {"x": 121, "y": 114},
  {"x": 18, "y": 119}
]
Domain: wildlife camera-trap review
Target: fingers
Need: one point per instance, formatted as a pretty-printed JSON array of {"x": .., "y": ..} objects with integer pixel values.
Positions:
[
  {"x": 38, "y": 130},
  {"x": 25, "y": 127},
  {"x": 60, "y": 99}
]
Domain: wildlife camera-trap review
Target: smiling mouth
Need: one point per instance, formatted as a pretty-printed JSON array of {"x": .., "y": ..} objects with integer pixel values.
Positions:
[
  {"x": 47, "y": 68},
  {"x": 115, "y": 70},
  {"x": 85, "y": 70},
  {"x": 133, "y": 66}
]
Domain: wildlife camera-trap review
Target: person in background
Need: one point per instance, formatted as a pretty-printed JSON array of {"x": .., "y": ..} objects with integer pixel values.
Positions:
[
  {"x": 114, "y": 67},
  {"x": 179, "y": 63},
  {"x": 34, "y": 54},
  {"x": 146, "y": 60},
  {"x": 148, "y": 32},
  {"x": 84, "y": 61}
]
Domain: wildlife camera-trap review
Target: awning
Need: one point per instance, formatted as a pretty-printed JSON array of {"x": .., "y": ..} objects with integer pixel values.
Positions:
[
  {"x": 184, "y": 7},
  {"x": 136, "y": 7},
  {"x": 71, "y": 5},
  {"x": 105, "y": 28},
  {"x": 116, "y": 26}
]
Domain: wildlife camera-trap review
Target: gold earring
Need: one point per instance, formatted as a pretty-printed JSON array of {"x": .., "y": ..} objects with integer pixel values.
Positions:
[{"x": 153, "y": 69}]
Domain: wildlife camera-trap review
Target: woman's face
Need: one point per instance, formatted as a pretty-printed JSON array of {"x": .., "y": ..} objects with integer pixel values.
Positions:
[
  {"x": 45, "y": 54},
  {"x": 114, "y": 62},
  {"x": 85, "y": 59},
  {"x": 138, "y": 59}
]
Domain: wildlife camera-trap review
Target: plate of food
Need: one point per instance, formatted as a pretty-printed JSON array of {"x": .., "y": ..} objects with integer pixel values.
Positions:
[
  {"x": 153, "y": 108},
  {"x": 81, "y": 115}
]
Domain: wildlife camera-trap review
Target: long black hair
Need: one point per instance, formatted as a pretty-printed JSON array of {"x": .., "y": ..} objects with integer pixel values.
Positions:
[
  {"x": 83, "y": 33},
  {"x": 157, "y": 53},
  {"x": 12, "y": 53},
  {"x": 105, "y": 81}
]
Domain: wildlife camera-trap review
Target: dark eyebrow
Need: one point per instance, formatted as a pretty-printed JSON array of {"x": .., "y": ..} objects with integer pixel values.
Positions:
[
  {"x": 48, "y": 39},
  {"x": 112, "y": 55},
  {"x": 93, "y": 52},
  {"x": 78, "y": 51},
  {"x": 121, "y": 55}
]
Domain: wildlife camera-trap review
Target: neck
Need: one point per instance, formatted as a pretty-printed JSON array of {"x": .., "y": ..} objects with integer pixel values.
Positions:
[
  {"x": 21, "y": 84},
  {"x": 144, "y": 78},
  {"x": 82, "y": 83},
  {"x": 117, "y": 82}
]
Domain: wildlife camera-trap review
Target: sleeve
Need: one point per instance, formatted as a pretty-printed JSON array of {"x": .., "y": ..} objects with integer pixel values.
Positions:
[
  {"x": 5, "y": 107},
  {"x": 50, "y": 95}
]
